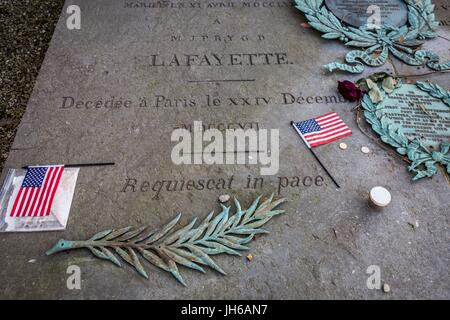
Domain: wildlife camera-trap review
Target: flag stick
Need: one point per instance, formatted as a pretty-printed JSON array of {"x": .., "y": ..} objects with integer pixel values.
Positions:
[
  {"x": 315, "y": 156},
  {"x": 82, "y": 165},
  {"x": 320, "y": 162}
]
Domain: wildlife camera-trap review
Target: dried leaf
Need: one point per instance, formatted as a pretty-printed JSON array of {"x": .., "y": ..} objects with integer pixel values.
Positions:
[
  {"x": 374, "y": 91},
  {"x": 389, "y": 84}
]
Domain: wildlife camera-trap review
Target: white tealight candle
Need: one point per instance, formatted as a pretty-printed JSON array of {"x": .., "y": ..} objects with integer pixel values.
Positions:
[{"x": 380, "y": 197}]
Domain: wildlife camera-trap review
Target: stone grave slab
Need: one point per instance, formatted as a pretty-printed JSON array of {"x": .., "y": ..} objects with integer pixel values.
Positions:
[{"x": 115, "y": 91}]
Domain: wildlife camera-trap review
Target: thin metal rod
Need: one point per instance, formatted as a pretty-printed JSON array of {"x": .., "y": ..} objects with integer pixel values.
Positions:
[
  {"x": 329, "y": 174},
  {"x": 82, "y": 165}
]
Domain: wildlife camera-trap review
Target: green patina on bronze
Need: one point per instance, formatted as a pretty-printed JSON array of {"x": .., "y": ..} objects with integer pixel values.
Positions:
[
  {"x": 188, "y": 246},
  {"x": 423, "y": 135},
  {"x": 375, "y": 44},
  {"x": 357, "y": 12}
]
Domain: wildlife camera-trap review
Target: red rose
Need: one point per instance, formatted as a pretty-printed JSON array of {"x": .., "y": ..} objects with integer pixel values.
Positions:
[{"x": 349, "y": 90}]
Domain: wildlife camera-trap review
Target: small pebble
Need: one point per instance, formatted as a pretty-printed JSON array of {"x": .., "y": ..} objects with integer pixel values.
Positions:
[
  {"x": 32, "y": 261},
  {"x": 343, "y": 146},
  {"x": 415, "y": 224},
  {"x": 249, "y": 257},
  {"x": 386, "y": 288},
  {"x": 365, "y": 150},
  {"x": 224, "y": 198}
]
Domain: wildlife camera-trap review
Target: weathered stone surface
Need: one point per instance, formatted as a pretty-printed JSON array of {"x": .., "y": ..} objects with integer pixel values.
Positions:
[{"x": 320, "y": 249}]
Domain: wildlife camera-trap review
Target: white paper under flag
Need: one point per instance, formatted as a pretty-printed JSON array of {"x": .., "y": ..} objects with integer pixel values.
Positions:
[{"x": 37, "y": 199}]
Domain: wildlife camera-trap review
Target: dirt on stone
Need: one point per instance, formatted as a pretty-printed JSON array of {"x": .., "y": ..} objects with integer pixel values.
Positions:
[{"x": 26, "y": 28}]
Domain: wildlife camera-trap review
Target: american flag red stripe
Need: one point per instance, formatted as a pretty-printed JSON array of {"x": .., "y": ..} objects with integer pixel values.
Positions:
[
  {"x": 322, "y": 129},
  {"x": 49, "y": 200},
  {"x": 37, "y": 192}
]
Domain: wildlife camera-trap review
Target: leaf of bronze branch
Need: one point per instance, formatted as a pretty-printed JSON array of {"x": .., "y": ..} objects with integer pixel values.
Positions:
[
  {"x": 100, "y": 235},
  {"x": 132, "y": 234},
  {"x": 175, "y": 236},
  {"x": 117, "y": 233},
  {"x": 183, "y": 261},
  {"x": 164, "y": 230}
]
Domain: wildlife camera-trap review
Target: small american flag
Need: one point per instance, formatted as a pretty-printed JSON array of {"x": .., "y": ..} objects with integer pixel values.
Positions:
[
  {"x": 322, "y": 129},
  {"x": 36, "y": 195}
]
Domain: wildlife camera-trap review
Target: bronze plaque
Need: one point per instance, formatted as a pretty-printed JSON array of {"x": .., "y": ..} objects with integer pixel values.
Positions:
[
  {"x": 418, "y": 113},
  {"x": 361, "y": 12}
]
